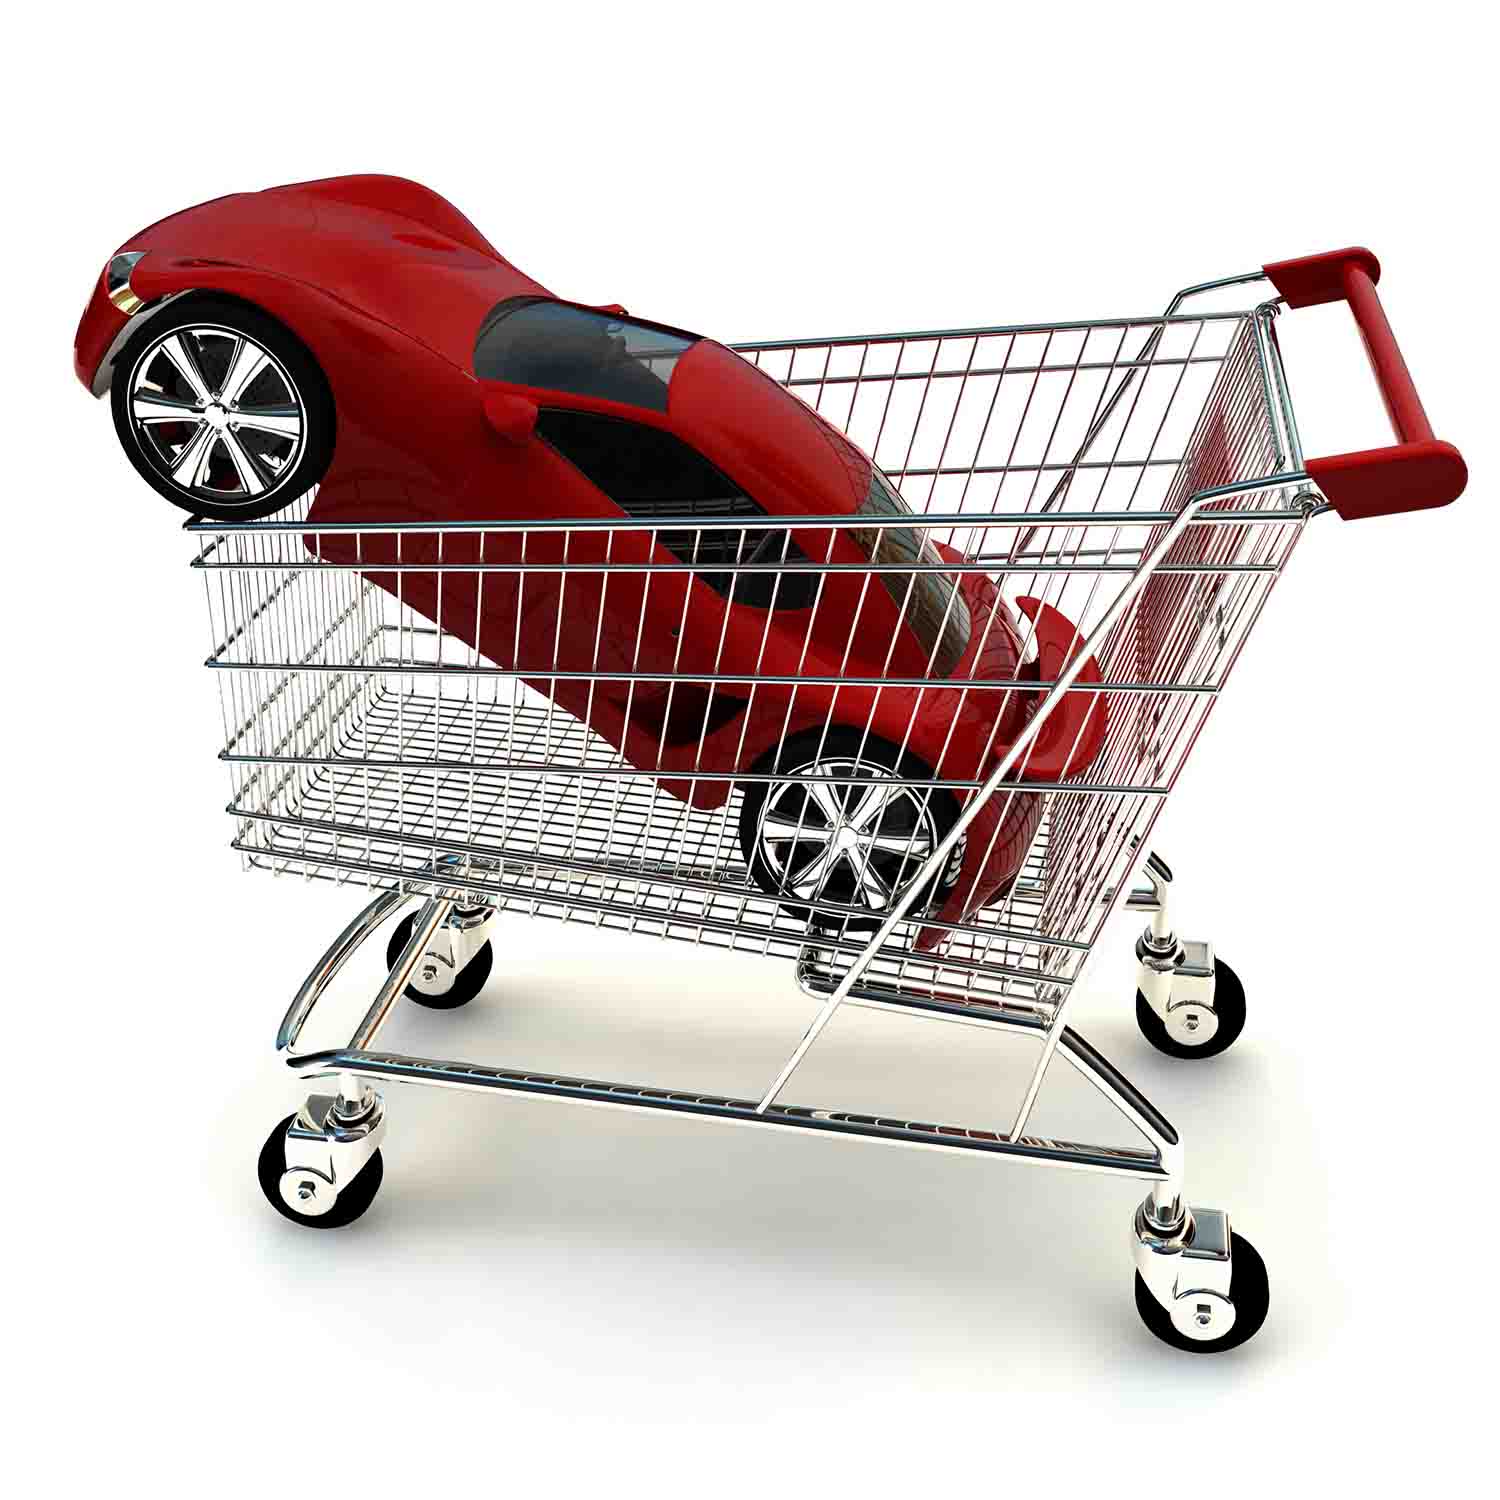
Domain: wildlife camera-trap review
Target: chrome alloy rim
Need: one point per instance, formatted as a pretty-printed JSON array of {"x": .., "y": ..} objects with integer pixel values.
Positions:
[
  {"x": 217, "y": 413},
  {"x": 855, "y": 844}
]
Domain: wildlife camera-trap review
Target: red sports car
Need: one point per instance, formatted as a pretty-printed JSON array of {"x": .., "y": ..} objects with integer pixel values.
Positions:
[{"x": 358, "y": 333}]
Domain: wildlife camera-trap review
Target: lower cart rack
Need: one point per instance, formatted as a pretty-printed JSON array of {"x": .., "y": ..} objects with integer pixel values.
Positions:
[{"x": 615, "y": 860}]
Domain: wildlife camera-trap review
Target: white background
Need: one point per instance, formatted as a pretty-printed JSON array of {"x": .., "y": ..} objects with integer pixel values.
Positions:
[{"x": 578, "y": 1299}]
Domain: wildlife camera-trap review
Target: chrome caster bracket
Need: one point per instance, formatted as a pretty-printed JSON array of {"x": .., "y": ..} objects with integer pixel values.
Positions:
[
  {"x": 1179, "y": 983},
  {"x": 328, "y": 1142},
  {"x": 1177, "y": 977},
  {"x": 458, "y": 938},
  {"x": 1188, "y": 1267}
]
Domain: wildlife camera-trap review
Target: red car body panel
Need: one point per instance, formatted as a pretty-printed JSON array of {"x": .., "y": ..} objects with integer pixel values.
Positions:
[
  {"x": 97, "y": 328},
  {"x": 390, "y": 249},
  {"x": 388, "y": 285},
  {"x": 1073, "y": 735},
  {"x": 387, "y": 299}
]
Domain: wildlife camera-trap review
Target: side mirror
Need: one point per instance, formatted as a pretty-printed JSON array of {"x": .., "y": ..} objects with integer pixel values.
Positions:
[{"x": 513, "y": 418}]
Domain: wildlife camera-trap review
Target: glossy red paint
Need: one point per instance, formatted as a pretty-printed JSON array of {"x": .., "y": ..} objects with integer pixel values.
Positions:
[
  {"x": 1418, "y": 472},
  {"x": 1308, "y": 280},
  {"x": 1389, "y": 481},
  {"x": 387, "y": 285},
  {"x": 100, "y": 322}
]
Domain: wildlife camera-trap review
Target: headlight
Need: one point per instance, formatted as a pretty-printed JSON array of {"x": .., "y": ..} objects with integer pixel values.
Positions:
[{"x": 117, "y": 281}]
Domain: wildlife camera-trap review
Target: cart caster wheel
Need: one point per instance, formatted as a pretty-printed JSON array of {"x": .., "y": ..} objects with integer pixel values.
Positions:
[
  {"x": 1249, "y": 1292},
  {"x": 466, "y": 984},
  {"x": 1229, "y": 1008},
  {"x": 348, "y": 1203}
]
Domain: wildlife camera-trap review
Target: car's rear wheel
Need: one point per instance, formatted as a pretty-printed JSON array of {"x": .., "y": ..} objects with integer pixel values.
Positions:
[
  {"x": 843, "y": 824},
  {"x": 222, "y": 410}
]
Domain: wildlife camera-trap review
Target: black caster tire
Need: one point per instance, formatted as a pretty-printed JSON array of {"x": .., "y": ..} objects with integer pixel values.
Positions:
[
  {"x": 1229, "y": 1006},
  {"x": 351, "y": 1202},
  {"x": 1249, "y": 1290},
  {"x": 473, "y": 978}
]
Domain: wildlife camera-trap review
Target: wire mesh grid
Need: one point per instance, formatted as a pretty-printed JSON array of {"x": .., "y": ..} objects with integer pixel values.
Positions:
[{"x": 568, "y": 717}]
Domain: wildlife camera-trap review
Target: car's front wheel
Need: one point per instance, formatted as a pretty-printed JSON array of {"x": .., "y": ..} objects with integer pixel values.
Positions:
[{"x": 222, "y": 410}]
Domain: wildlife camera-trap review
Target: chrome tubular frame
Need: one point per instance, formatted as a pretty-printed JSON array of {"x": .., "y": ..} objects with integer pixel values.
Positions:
[
  {"x": 1141, "y": 478},
  {"x": 1158, "y": 1165}
]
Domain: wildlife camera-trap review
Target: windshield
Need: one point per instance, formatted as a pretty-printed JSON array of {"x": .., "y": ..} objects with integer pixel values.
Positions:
[
  {"x": 559, "y": 347},
  {"x": 929, "y": 602},
  {"x": 653, "y": 475}
]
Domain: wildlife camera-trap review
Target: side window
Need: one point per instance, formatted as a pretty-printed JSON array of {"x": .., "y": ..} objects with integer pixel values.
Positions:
[
  {"x": 929, "y": 602},
  {"x": 559, "y": 347},
  {"x": 650, "y": 474}
]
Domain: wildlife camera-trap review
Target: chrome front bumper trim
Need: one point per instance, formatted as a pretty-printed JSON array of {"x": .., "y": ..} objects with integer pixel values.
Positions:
[{"x": 117, "y": 281}]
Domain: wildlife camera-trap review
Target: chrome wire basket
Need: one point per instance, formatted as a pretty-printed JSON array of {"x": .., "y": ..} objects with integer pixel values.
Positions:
[{"x": 1081, "y": 524}]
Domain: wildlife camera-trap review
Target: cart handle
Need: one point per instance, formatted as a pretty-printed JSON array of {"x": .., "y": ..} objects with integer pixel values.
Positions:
[{"x": 1416, "y": 473}]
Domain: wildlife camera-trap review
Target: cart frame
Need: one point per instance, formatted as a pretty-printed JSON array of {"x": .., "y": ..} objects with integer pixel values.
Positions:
[{"x": 1185, "y": 1256}]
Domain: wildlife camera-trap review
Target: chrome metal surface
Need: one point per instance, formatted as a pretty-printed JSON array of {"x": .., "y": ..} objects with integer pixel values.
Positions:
[
  {"x": 1145, "y": 1164},
  {"x": 1014, "y": 757},
  {"x": 339, "y": 953},
  {"x": 1176, "y": 975},
  {"x": 433, "y": 915},
  {"x": 117, "y": 281},
  {"x": 143, "y": 315},
  {"x": 328, "y": 1142},
  {"x": 451, "y": 949},
  {"x": 389, "y": 723},
  {"x": 1190, "y": 1014},
  {"x": 1188, "y": 1268}
]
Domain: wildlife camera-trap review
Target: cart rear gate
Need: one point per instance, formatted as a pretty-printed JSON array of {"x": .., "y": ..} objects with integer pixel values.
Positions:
[{"x": 1094, "y": 516}]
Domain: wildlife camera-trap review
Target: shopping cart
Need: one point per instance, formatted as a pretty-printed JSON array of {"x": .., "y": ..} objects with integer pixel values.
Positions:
[{"x": 1142, "y": 478}]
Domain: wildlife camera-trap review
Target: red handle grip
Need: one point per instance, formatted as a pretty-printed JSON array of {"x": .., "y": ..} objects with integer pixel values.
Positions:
[{"x": 1417, "y": 472}]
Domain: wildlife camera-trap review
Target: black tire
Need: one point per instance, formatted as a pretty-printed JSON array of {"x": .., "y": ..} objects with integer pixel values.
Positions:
[
  {"x": 1249, "y": 1290},
  {"x": 843, "y": 743},
  {"x": 351, "y": 1202},
  {"x": 466, "y": 984},
  {"x": 1229, "y": 1006},
  {"x": 283, "y": 466}
]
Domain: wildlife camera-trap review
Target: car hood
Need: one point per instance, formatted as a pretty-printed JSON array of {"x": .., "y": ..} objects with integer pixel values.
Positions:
[{"x": 391, "y": 248}]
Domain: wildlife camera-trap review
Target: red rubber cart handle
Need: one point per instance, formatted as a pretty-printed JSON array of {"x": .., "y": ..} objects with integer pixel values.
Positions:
[{"x": 1417, "y": 472}]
